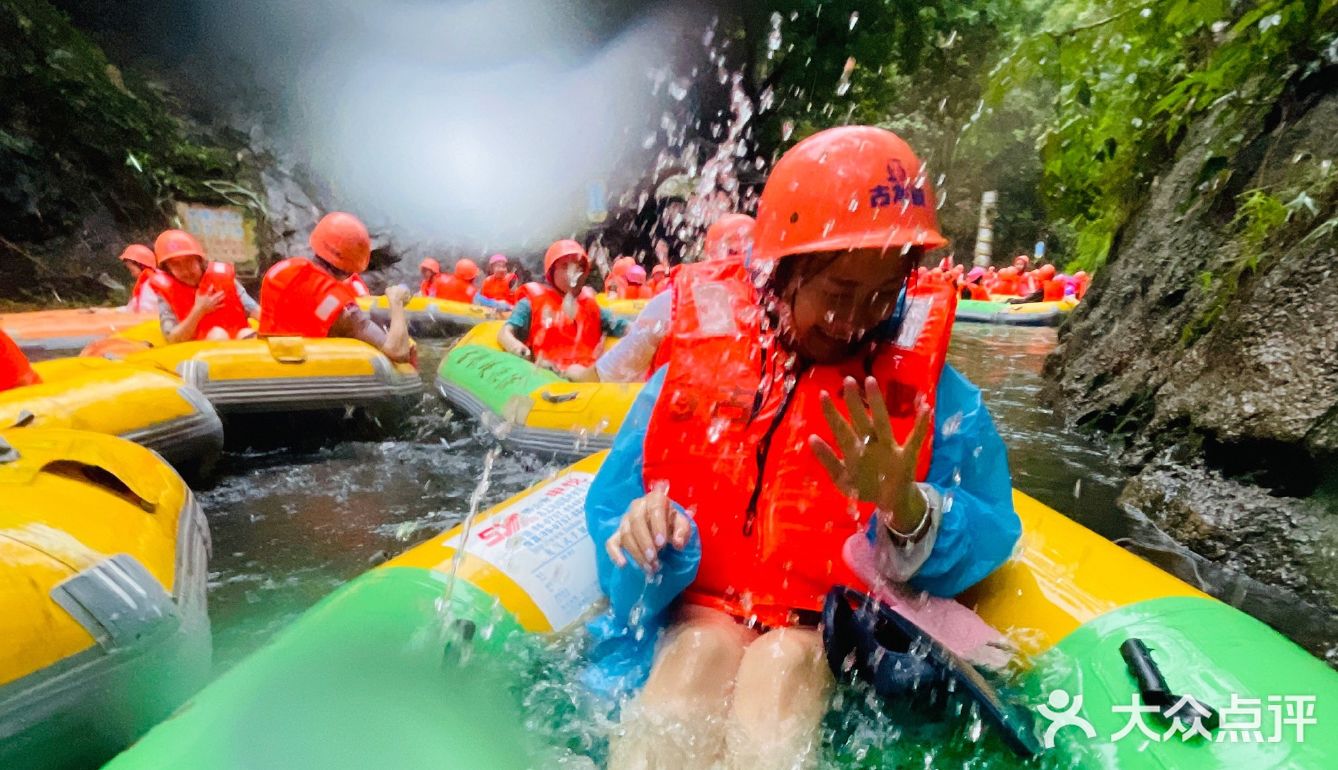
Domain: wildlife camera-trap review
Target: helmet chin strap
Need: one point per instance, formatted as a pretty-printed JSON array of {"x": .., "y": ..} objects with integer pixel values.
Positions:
[{"x": 331, "y": 269}]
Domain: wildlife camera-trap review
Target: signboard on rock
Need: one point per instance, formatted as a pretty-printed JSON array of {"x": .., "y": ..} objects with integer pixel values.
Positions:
[{"x": 227, "y": 233}]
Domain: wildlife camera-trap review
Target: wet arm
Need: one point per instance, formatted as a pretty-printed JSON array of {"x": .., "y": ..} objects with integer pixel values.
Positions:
[{"x": 250, "y": 305}]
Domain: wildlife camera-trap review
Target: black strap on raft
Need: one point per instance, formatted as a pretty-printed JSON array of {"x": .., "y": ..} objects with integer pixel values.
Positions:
[
  {"x": 903, "y": 662},
  {"x": 1153, "y": 689}
]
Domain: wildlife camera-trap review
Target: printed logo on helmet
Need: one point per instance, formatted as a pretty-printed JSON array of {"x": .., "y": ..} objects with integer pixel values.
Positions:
[{"x": 897, "y": 188}]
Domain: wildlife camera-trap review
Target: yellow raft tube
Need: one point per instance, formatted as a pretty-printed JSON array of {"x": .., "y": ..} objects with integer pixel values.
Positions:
[
  {"x": 429, "y": 316},
  {"x": 68, "y": 330},
  {"x": 627, "y": 309},
  {"x": 1066, "y": 601},
  {"x": 103, "y": 563},
  {"x": 277, "y": 374},
  {"x": 151, "y": 408},
  {"x": 527, "y": 407}
]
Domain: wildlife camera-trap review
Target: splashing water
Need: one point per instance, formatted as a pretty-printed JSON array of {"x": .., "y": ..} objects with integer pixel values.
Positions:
[{"x": 444, "y": 604}]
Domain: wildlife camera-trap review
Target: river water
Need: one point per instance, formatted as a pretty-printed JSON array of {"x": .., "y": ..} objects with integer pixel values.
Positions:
[{"x": 289, "y": 527}]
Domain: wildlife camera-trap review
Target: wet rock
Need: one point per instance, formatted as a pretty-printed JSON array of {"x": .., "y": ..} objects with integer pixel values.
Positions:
[{"x": 1213, "y": 360}]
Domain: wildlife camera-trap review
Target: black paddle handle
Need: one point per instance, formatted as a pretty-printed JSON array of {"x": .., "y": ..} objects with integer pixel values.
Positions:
[{"x": 1151, "y": 684}]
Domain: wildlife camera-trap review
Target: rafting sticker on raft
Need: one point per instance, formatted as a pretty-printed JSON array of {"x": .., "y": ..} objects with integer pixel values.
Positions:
[{"x": 542, "y": 544}]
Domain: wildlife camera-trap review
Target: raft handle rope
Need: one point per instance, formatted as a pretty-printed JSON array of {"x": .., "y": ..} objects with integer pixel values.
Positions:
[
  {"x": 558, "y": 398},
  {"x": 902, "y": 661},
  {"x": 1154, "y": 691}
]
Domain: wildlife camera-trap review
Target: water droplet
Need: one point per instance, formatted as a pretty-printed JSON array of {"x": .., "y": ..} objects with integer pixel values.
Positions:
[
  {"x": 854, "y": 19},
  {"x": 787, "y": 128}
]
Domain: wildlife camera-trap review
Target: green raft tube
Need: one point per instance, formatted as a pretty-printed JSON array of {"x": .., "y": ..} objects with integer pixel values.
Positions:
[
  {"x": 360, "y": 680},
  {"x": 527, "y": 407},
  {"x": 1024, "y": 314}
]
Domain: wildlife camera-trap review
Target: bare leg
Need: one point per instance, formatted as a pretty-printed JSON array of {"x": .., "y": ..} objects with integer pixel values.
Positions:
[
  {"x": 678, "y": 719},
  {"x": 780, "y": 695}
]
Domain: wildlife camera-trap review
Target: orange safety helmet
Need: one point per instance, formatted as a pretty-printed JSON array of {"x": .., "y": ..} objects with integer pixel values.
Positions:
[
  {"x": 140, "y": 255},
  {"x": 342, "y": 240},
  {"x": 730, "y": 236},
  {"x": 562, "y": 249},
  {"x": 174, "y": 244},
  {"x": 466, "y": 270},
  {"x": 1046, "y": 271},
  {"x": 845, "y": 188},
  {"x": 620, "y": 266},
  {"x": 430, "y": 264}
]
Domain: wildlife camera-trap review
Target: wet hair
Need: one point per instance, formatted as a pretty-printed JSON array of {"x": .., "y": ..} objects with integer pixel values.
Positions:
[{"x": 787, "y": 274}]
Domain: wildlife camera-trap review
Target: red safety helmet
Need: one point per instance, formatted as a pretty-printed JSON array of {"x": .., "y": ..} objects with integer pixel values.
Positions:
[
  {"x": 845, "y": 188},
  {"x": 140, "y": 255},
  {"x": 1046, "y": 271},
  {"x": 561, "y": 250},
  {"x": 730, "y": 236},
  {"x": 466, "y": 270},
  {"x": 620, "y": 266},
  {"x": 175, "y": 244},
  {"x": 430, "y": 264},
  {"x": 342, "y": 240}
]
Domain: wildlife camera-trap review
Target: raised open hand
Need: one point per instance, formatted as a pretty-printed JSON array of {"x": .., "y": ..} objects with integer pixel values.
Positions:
[{"x": 872, "y": 466}]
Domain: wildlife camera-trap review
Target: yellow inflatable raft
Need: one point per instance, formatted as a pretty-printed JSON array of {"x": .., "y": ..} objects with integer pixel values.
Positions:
[
  {"x": 103, "y": 563},
  {"x": 278, "y": 374},
  {"x": 627, "y": 309},
  {"x": 1066, "y": 601},
  {"x": 151, "y": 408},
  {"x": 527, "y": 407},
  {"x": 429, "y": 316},
  {"x": 67, "y": 330}
]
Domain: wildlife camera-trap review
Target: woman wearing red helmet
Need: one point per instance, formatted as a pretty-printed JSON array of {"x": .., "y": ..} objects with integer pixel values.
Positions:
[
  {"x": 789, "y": 433},
  {"x": 558, "y": 324},
  {"x": 310, "y": 297},
  {"x": 499, "y": 286},
  {"x": 198, "y": 299},
  {"x": 142, "y": 264},
  {"x": 428, "y": 270}
]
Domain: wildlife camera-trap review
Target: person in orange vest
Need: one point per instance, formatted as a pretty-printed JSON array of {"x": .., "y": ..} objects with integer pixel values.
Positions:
[
  {"x": 641, "y": 351},
  {"x": 1007, "y": 283},
  {"x": 659, "y": 279},
  {"x": 805, "y": 433},
  {"x": 634, "y": 284},
  {"x": 616, "y": 280},
  {"x": 1081, "y": 281},
  {"x": 310, "y": 297},
  {"x": 1051, "y": 284},
  {"x": 971, "y": 286},
  {"x": 428, "y": 269},
  {"x": 458, "y": 285},
  {"x": 558, "y": 324},
  {"x": 499, "y": 286},
  {"x": 15, "y": 370},
  {"x": 730, "y": 236},
  {"x": 142, "y": 264},
  {"x": 198, "y": 299}
]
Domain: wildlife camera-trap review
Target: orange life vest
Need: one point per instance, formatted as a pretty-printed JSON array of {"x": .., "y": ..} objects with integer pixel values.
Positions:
[
  {"x": 731, "y": 442},
  {"x": 557, "y": 337},
  {"x": 498, "y": 287},
  {"x": 15, "y": 371},
  {"x": 976, "y": 291},
  {"x": 447, "y": 286},
  {"x": 1054, "y": 290},
  {"x": 634, "y": 291},
  {"x": 358, "y": 285},
  {"x": 657, "y": 284},
  {"x": 299, "y": 299},
  {"x": 230, "y": 316},
  {"x": 426, "y": 288},
  {"x": 145, "y": 274}
]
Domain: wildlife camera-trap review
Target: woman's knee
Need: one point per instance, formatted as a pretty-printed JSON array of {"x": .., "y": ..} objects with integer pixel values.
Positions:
[
  {"x": 698, "y": 658},
  {"x": 784, "y": 673}
]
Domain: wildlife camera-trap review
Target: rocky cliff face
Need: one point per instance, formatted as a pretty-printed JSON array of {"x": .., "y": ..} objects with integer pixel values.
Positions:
[{"x": 1209, "y": 344}]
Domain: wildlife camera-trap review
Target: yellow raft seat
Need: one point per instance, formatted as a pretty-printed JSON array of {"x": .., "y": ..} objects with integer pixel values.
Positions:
[
  {"x": 429, "y": 316},
  {"x": 527, "y": 407},
  {"x": 103, "y": 564},
  {"x": 627, "y": 309},
  {"x": 278, "y": 374},
  {"x": 151, "y": 408}
]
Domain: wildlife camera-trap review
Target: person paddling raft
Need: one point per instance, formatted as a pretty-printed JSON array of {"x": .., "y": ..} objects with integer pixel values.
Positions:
[
  {"x": 200, "y": 300},
  {"x": 558, "y": 324},
  {"x": 805, "y": 410},
  {"x": 304, "y": 297},
  {"x": 140, "y": 261}
]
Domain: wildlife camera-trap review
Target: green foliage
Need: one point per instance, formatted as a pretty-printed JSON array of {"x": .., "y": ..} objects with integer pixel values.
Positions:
[
  {"x": 916, "y": 68},
  {"x": 1129, "y": 79},
  {"x": 75, "y": 133}
]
